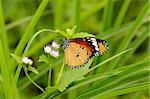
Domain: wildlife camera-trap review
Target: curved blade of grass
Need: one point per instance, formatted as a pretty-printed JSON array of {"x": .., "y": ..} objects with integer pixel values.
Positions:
[
  {"x": 138, "y": 87},
  {"x": 140, "y": 76},
  {"x": 114, "y": 79},
  {"x": 124, "y": 44},
  {"x": 109, "y": 59},
  {"x": 138, "y": 65}
]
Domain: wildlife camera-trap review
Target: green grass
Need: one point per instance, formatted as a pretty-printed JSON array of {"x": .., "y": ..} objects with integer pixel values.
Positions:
[{"x": 27, "y": 26}]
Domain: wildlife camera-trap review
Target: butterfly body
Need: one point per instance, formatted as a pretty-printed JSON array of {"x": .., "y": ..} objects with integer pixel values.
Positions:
[{"x": 78, "y": 51}]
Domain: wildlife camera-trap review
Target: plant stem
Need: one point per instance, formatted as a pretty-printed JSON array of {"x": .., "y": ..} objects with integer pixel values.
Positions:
[
  {"x": 50, "y": 70},
  {"x": 60, "y": 74},
  {"x": 33, "y": 81},
  {"x": 24, "y": 54},
  {"x": 33, "y": 37},
  {"x": 49, "y": 76},
  {"x": 14, "y": 83}
]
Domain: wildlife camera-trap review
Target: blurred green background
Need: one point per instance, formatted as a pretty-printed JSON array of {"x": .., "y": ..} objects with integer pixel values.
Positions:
[{"x": 122, "y": 23}]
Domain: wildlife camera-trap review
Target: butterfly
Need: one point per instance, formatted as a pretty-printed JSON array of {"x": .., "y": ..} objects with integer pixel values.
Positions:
[{"x": 78, "y": 51}]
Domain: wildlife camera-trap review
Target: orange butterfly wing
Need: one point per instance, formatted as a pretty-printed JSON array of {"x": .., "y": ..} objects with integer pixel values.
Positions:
[{"x": 76, "y": 54}]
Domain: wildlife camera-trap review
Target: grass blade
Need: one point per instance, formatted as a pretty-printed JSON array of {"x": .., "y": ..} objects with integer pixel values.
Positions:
[
  {"x": 3, "y": 34},
  {"x": 138, "y": 87},
  {"x": 107, "y": 16},
  {"x": 5, "y": 73},
  {"x": 109, "y": 59},
  {"x": 58, "y": 11},
  {"x": 135, "y": 45},
  {"x": 124, "y": 44},
  {"x": 115, "y": 79},
  {"x": 122, "y": 13},
  {"x": 77, "y": 14}
]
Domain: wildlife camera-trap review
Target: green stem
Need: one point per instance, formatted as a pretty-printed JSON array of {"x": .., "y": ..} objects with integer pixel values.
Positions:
[
  {"x": 50, "y": 70},
  {"x": 14, "y": 83},
  {"x": 60, "y": 74},
  {"x": 24, "y": 54},
  {"x": 49, "y": 76},
  {"x": 33, "y": 37},
  {"x": 33, "y": 81}
]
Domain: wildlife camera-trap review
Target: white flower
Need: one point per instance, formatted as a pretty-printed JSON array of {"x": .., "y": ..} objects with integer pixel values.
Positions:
[
  {"x": 47, "y": 49},
  {"x": 26, "y": 60},
  {"x": 55, "y": 45},
  {"x": 52, "y": 49},
  {"x": 30, "y": 62},
  {"x": 54, "y": 53}
]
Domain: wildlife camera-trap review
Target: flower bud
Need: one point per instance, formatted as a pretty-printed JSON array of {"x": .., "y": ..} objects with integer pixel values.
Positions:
[
  {"x": 55, "y": 45},
  {"x": 26, "y": 60},
  {"x": 54, "y": 53},
  {"x": 47, "y": 49}
]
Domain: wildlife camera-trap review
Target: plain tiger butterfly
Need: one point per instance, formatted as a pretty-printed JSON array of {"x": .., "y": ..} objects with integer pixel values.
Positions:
[{"x": 78, "y": 51}]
